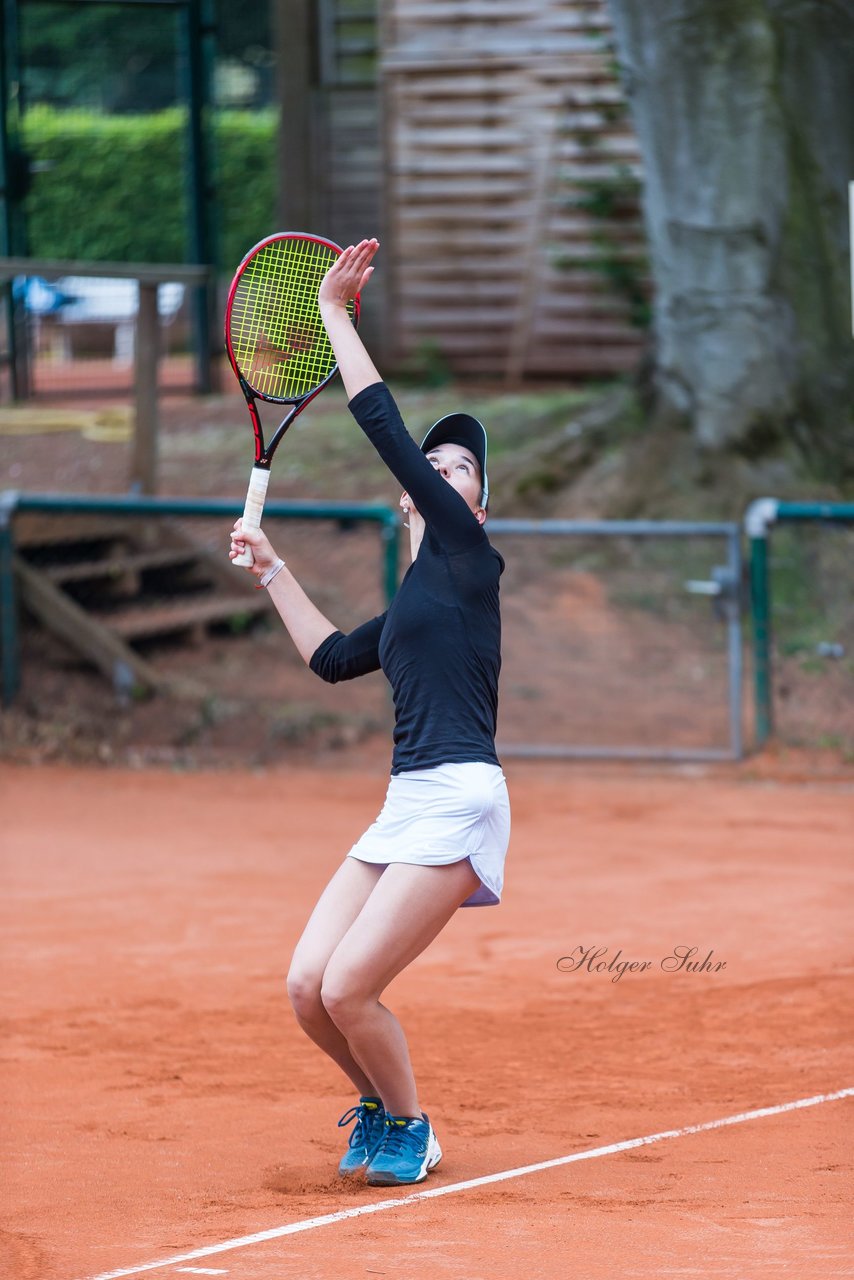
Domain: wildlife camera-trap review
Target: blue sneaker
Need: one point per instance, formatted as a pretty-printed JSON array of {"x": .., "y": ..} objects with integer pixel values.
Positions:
[
  {"x": 368, "y": 1133},
  {"x": 407, "y": 1153}
]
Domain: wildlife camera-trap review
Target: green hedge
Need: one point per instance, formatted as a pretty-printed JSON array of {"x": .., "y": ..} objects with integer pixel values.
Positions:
[{"x": 114, "y": 188}]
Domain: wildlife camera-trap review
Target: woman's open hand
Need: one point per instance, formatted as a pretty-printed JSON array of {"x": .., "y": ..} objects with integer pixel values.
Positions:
[{"x": 348, "y": 275}]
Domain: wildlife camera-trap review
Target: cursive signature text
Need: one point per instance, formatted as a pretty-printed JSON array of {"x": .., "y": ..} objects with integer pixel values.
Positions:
[{"x": 681, "y": 959}]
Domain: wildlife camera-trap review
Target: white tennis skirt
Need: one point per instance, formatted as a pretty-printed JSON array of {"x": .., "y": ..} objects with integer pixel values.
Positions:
[{"x": 435, "y": 816}]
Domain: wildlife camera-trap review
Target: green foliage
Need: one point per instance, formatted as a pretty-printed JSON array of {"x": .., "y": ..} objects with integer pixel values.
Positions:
[
  {"x": 245, "y": 165},
  {"x": 611, "y": 203},
  {"x": 107, "y": 187},
  {"x": 99, "y": 55},
  {"x": 427, "y": 367},
  {"x": 115, "y": 188},
  {"x": 809, "y": 572},
  {"x": 239, "y": 623},
  {"x": 130, "y": 57}
]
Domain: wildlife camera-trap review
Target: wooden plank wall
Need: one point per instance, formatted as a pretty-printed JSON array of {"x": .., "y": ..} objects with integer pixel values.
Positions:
[
  {"x": 350, "y": 187},
  {"x": 348, "y": 183},
  {"x": 497, "y": 116}
]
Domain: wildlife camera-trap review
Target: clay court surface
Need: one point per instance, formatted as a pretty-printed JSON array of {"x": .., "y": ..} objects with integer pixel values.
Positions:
[{"x": 162, "y": 1101}]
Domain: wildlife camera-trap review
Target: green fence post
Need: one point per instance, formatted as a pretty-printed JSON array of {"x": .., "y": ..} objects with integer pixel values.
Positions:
[
  {"x": 759, "y": 516},
  {"x": 388, "y": 532},
  {"x": 198, "y": 28},
  {"x": 8, "y": 603},
  {"x": 761, "y": 639}
]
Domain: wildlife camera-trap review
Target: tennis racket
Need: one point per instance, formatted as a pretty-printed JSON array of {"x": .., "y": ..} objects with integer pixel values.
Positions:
[{"x": 277, "y": 343}]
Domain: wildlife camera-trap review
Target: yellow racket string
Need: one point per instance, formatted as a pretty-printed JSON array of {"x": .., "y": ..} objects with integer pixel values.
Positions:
[{"x": 277, "y": 334}]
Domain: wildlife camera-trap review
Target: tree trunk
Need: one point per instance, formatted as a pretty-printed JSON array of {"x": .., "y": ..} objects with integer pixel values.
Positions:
[{"x": 745, "y": 115}]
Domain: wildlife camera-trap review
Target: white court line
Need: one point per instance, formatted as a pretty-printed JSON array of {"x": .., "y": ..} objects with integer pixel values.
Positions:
[{"x": 379, "y": 1206}]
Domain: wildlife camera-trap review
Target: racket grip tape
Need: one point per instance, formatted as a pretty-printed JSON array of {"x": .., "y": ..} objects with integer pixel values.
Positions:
[{"x": 253, "y": 510}]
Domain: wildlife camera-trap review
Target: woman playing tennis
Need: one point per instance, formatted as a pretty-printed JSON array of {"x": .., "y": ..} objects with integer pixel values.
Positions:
[{"x": 440, "y": 841}]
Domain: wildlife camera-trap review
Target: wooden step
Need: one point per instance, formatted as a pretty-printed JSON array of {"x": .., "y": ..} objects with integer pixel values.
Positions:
[
  {"x": 80, "y": 631},
  {"x": 108, "y": 561},
  {"x": 38, "y": 529},
  {"x": 146, "y": 620},
  {"x": 115, "y": 566}
]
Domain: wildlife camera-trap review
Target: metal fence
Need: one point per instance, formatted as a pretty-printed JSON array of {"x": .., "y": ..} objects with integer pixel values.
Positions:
[
  {"x": 620, "y": 639},
  {"x": 124, "y": 624},
  {"x": 802, "y": 587}
]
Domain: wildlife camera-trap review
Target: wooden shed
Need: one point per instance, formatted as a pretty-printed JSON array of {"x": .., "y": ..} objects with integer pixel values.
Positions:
[
  {"x": 489, "y": 144},
  {"x": 513, "y": 237}
]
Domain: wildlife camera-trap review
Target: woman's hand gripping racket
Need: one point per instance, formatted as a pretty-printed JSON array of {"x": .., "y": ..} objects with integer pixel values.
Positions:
[{"x": 277, "y": 343}]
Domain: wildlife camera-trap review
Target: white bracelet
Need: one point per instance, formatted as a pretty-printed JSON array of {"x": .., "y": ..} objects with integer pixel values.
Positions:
[{"x": 270, "y": 574}]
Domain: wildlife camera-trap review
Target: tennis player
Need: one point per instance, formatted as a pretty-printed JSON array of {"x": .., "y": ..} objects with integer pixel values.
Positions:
[{"x": 441, "y": 838}]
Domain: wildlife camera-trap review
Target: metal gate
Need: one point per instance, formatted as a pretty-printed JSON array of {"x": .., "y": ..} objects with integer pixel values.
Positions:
[
  {"x": 104, "y": 108},
  {"x": 629, "y": 647}
]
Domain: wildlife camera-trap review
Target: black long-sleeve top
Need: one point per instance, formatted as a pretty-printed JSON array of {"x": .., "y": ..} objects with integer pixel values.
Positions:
[{"x": 439, "y": 642}]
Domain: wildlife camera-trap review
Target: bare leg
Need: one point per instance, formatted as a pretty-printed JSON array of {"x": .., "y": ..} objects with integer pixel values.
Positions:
[
  {"x": 337, "y": 908},
  {"x": 409, "y": 906}
]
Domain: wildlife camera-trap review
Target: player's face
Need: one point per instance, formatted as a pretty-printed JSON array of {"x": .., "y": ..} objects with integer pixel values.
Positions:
[{"x": 459, "y": 467}]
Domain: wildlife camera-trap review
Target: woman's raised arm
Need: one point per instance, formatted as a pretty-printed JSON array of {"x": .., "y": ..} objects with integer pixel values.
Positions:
[{"x": 347, "y": 276}]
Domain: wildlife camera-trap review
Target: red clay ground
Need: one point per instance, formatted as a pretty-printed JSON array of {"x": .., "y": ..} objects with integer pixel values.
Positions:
[{"x": 162, "y": 1098}]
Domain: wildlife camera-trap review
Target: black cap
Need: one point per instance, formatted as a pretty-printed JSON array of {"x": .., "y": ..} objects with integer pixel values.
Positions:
[{"x": 461, "y": 428}]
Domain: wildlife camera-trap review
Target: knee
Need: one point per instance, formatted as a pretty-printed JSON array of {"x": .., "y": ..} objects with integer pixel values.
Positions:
[
  {"x": 341, "y": 998},
  {"x": 304, "y": 993}
]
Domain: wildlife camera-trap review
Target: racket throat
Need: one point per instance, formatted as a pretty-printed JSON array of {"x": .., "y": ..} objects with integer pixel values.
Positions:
[{"x": 249, "y": 395}]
